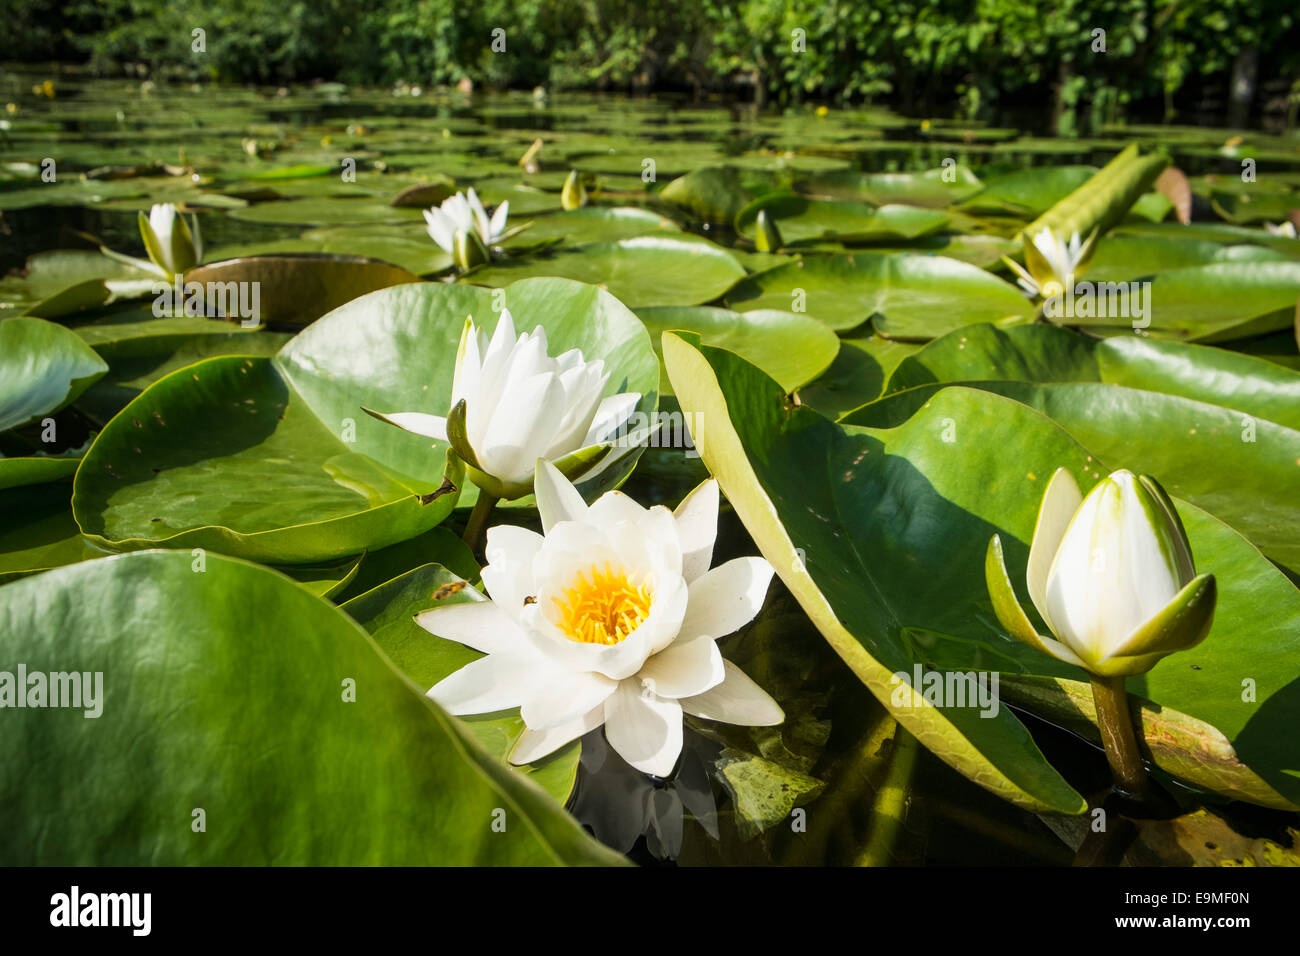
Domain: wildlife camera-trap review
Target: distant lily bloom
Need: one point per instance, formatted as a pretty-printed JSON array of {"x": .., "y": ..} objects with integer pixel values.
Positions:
[
  {"x": 1052, "y": 264},
  {"x": 172, "y": 244},
  {"x": 611, "y": 617},
  {"x": 512, "y": 403},
  {"x": 1283, "y": 230},
  {"x": 462, "y": 229},
  {"x": 1111, "y": 575}
]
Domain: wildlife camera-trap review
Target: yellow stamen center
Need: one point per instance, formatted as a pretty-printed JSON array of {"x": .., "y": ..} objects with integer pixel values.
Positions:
[{"x": 603, "y": 606}]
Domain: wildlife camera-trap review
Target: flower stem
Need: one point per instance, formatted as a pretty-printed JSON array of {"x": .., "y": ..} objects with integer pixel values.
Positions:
[
  {"x": 890, "y": 808},
  {"x": 478, "y": 520},
  {"x": 1116, "y": 723}
]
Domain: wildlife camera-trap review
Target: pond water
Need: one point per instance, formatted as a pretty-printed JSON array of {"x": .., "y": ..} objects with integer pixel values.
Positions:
[{"x": 314, "y": 170}]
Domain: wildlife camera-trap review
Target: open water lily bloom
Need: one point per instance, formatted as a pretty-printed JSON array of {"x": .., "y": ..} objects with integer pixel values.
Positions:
[
  {"x": 513, "y": 403},
  {"x": 1051, "y": 263},
  {"x": 1110, "y": 574},
  {"x": 611, "y": 617}
]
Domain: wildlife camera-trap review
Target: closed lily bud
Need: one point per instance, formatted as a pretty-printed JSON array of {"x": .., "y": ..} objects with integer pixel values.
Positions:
[
  {"x": 1111, "y": 576},
  {"x": 766, "y": 236},
  {"x": 574, "y": 194},
  {"x": 171, "y": 244}
]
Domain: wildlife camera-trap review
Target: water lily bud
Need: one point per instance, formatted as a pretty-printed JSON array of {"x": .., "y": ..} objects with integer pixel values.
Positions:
[
  {"x": 513, "y": 403},
  {"x": 464, "y": 212},
  {"x": 574, "y": 194},
  {"x": 468, "y": 250},
  {"x": 169, "y": 241},
  {"x": 766, "y": 236},
  {"x": 1111, "y": 575}
]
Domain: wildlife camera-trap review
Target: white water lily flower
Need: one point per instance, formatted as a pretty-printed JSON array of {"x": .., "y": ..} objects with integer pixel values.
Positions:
[
  {"x": 1283, "y": 230},
  {"x": 1111, "y": 575},
  {"x": 172, "y": 244},
  {"x": 519, "y": 405},
  {"x": 463, "y": 215},
  {"x": 1053, "y": 264},
  {"x": 610, "y": 618}
]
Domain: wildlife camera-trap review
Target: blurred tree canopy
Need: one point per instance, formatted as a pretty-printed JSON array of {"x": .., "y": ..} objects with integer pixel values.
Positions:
[{"x": 917, "y": 54}]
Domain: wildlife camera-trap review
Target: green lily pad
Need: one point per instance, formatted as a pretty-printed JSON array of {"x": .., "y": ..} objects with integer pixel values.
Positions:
[
  {"x": 910, "y": 297},
  {"x": 1028, "y": 192},
  {"x": 594, "y": 224},
  {"x": 37, "y": 531},
  {"x": 644, "y": 271},
  {"x": 800, "y": 219},
  {"x": 43, "y": 367},
  {"x": 1125, "y": 258},
  {"x": 717, "y": 193},
  {"x": 325, "y": 211},
  {"x": 412, "y": 250},
  {"x": 791, "y": 348},
  {"x": 196, "y": 716},
  {"x": 934, "y": 188},
  {"x": 1210, "y": 303},
  {"x": 141, "y": 349},
  {"x": 1046, "y": 353}
]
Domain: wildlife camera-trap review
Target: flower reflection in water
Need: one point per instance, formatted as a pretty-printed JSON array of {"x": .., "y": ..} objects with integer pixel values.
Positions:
[{"x": 620, "y": 805}]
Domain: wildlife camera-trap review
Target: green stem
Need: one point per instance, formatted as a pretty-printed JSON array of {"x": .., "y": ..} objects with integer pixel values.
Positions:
[
  {"x": 890, "y": 806},
  {"x": 1116, "y": 723},
  {"x": 477, "y": 523}
]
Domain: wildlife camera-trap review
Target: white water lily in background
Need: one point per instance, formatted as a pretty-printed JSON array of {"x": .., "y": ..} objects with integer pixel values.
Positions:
[
  {"x": 611, "y": 617},
  {"x": 1283, "y": 230},
  {"x": 174, "y": 246},
  {"x": 462, "y": 229},
  {"x": 1111, "y": 575},
  {"x": 522, "y": 404},
  {"x": 1052, "y": 264}
]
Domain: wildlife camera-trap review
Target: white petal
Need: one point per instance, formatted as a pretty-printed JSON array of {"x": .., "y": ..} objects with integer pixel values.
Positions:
[
  {"x": 480, "y": 216},
  {"x": 726, "y": 598},
  {"x": 499, "y": 220},
  {"x": 495, "y": 682},
  {"x": 737, "y": 700},
  {"x": 1060, "y": 502},
  {"x": 533, "y": 745},
  {"x": 430, "y": 426},
  {"x": 610, "y": 415},
  {"x": 697, "y": 528},
  {"x": 564, "y": 698},
  {"x": 481, "y": 625},
  {"x": 509, "y": 447},
  {"x": 685, "y": 669},
  {"x": 469, "y": 371},
  {"x": 1112, "y": 572},
  {"x": 613, "y": 507},
  {"x": 644, "y": 729},
  {"x": 508, "y": 575},
  {"x": 557, "y": 499},
  {"x": 440, "y": 230}
]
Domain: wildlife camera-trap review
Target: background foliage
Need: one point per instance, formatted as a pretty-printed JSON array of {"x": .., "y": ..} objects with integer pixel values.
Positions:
[{"x": 917, "y": 54}]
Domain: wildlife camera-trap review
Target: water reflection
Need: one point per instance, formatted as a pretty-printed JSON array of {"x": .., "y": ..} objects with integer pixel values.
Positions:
[{"x": 622, "y": 806}]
